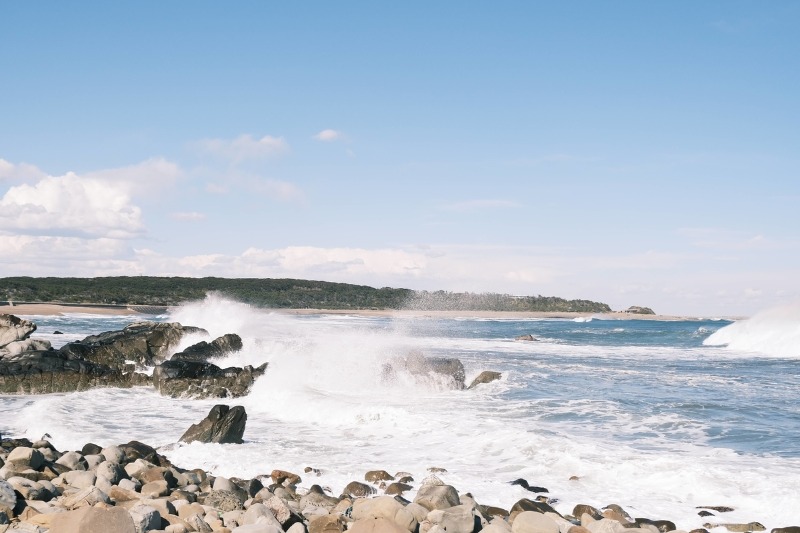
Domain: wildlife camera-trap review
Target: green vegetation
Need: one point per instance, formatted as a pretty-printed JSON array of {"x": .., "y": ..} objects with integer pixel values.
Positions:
[{"x": 271, "y": 293}]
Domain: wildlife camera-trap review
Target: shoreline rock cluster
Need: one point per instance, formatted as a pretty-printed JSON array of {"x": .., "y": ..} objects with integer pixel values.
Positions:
[
  {"x": 132, "y": 488},
  {"x": 120, "y": 359}
]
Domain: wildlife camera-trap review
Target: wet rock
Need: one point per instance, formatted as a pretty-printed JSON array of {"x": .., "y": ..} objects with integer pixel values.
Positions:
[
  {"x": 223, "y": 425},
  {"x": 717, "y": 508},
  {"x": 356, "y": 489},
  {"x": 662, "y": 525},
  {"x": 529, "y": 505},
  {"x": 191, "y": 379},
  {"x": 790, "y": 529},
  {"x": 203, "y": 351},
  {"x": 739, "y": 528},
  {"x": 525, "y": 338},
  {"x": 581, "y": 509},
  {"x": 487, "y": 376},
  {"x": 378, "y": 475},
  {"x": 282, "y": 477},
  {"x": 397, "y": 489},
  {"x": 524, "y": 484}
]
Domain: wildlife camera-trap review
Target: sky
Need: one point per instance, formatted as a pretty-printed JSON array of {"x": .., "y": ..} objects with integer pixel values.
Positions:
[{"x": 634, "y": 153}]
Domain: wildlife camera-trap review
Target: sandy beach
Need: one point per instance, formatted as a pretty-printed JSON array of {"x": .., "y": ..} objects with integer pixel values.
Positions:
[{"x": 50, "y": 309}]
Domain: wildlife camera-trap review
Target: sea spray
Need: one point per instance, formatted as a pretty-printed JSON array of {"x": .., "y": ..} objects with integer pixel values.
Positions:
[{"x": 774, "y": 332}]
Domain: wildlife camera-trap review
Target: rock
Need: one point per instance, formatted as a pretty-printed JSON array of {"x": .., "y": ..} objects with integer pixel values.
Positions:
[
  {"x": 282, "y": 477},
  {"x": 326, "y": 524},
  {"x": 223, "y": 500},
  {"x": 27, "y": 345},
  {"x": 357, "y": 489},
  {"x": 51, "y": 371},
  {"x": 145, "y": 517},
  {"x": 533, "y": 522},
  {"x": 8, "y": 498},
  {"x": 790, "y": 529},
  {"x": 581, "y": 508},
  {"x": 384, "y": 507},
  {"x": 530, "y": 505},
  {"x": 203, "y": 351},
  {"x": 93, "y": 520},
  {"x": 29, "y": 489},
  {"x": 190, "y": 379},
  {"x": 87, "y": 497},
  {"x": 112, "y": 472},
  {"x": 378, "y": 475},
  {"x": 24, "y": 457},
  {"x": 524, "y": 484},
  {"x": 487, "y": 376},
  {"x": 375, "y": 525},
  {"x": 13, "y": 328},
  {"x": 222, "y": 425},
  {"x": 145, "y": 343},
  {"x": 604, "y": 525},
  {"x": 155, "y": 489},
  {"x": 661, "y": 525},
  {"x": 437, "y": 497},
  {"x": 525, "y": 338},
  {"x": 717, "y": 508},
  {"x": 637, "y": 310},
  {"x": 456, "y": 519},
  {"x": 397, "y": 488}
]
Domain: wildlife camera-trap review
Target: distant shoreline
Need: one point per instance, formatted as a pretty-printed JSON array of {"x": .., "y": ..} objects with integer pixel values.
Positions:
[{"x": 51, "y": 309}]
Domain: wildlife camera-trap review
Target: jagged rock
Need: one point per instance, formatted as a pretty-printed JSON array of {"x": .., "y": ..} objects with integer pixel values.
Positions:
[
  {"x": 144, "y": 343},
  {"x": 13, "y": 328},
  {"x": 417, "y": 364},
  {"x": 26, "y": 345},
  {"x": 203, "y": 351},
  {"x": 487, "y": 376},
  {"x": 44, "y": 372},
  {"x": 204, "y": 380},
  {"x": 223, "y": 425},
  {"x": 527, "y": 337}
]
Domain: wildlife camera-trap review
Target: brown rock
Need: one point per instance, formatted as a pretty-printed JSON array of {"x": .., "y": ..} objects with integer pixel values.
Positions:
[
  {"x": 375, "y": 525},
  {"x": 397, "y": 488},
  {"x": 378, "y": 475},
  {"x": 282, "y": 477},
  {"x": 93, "y": 520},
  {"x": 326, "y": 524}
]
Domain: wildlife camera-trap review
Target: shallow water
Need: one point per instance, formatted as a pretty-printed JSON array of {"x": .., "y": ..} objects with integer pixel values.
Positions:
[{"x": 643, "y": 412}]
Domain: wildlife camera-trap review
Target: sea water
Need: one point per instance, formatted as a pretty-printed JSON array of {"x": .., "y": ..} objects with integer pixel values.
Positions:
[{"x": 659, "y": 417}]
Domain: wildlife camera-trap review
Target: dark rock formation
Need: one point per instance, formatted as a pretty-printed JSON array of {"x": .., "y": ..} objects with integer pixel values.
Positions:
[
  {"x": 487, "y": 376},
  {"x": 418, "y": 365},
  {"x": 223, "y": 424},
  {"x": 110, "y": 359},
  {"x": 203, "y": 351},
  {"x": 144, "y": 343},
  {"x": 204, "y": 380},
  {"x": 44, "y": 372},
  {"x": 527, "y": 337}
]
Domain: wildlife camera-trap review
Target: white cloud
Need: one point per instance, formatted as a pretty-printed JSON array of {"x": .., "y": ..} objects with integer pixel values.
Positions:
[
  {"x": 71, "y": 205},
  {"x": 190, "y": 216},
  {"x": 481, "y": 205},
  {"x": 244, "y": 147},
  {"x": 142, "y": 178},
  {"x": 329, "y": 136},
  {"x": 19, "y": 173}
]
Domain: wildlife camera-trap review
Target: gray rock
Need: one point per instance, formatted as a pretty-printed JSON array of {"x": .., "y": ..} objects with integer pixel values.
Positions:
[
  {"x": 113, "y": 454},
  {"x": 24, "y": 457},
  {"x": 223, "y": 424},
  {"x": 145, "y": 518},
  {"x": 87, "y": 497},
  {"x": 80, "y": 479},
  {"x": 29, "y": 489},
  {"x": 8, "y": 498},
  {"x": 203, "y": 351},
  {"x": 112, "y": 472},
  {"x": 437, "y": 497},
  {"x": 13, "y": 328},
  {"x": 487, "y": 376},
  {"x": 73, "y": 461},
  {"x": 224, "y": 500},
  {"x": 456, "y": 519}
]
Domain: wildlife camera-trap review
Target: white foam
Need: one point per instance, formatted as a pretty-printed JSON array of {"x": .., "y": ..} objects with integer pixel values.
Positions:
[{"x": 775, "y": 332}]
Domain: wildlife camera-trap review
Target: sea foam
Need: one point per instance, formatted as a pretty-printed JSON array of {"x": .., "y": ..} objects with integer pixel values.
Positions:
[{"x": 774, "y": 332}]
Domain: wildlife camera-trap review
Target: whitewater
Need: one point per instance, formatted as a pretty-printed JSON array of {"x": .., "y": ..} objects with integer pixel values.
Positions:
[{"x": 659, "y": 417}]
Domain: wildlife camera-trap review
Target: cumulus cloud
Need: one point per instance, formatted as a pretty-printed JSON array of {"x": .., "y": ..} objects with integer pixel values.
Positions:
[
  {"x": 329, "y": 136},
  {"x": 71, "y": 205},
  {"x": 143, "y": 178},
  {"x": 244, "y": 147},
  {"x": 10, "y": 172}
]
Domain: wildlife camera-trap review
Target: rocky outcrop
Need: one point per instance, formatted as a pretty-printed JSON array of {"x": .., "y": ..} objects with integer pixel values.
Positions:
[
  {"x": 111, "y": 359},
  {"x": 188, "y": 379},
  {"x": 487, "y": 376},
  {"x": 637, "y": 310},
  {"x": 144, "y": 343},
  {"x": 49, "y": 371},
  {"x": 223, "y": 424},
  {"x": 203, "y": 351},
  {"x": 447, "y": 369}
]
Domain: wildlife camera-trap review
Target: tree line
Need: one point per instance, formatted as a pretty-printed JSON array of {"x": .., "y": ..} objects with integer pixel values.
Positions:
[{"x": 271, "y": 293}]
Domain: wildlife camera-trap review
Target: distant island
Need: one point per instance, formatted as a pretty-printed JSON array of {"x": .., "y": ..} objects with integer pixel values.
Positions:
[{"x": 272, "y": 293}]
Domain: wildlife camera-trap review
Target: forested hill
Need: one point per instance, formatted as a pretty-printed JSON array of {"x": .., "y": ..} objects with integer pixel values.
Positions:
[{"x": 271, "y": 293}]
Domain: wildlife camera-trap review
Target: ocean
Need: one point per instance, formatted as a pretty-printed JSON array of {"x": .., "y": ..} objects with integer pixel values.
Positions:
[{"x": 659, "y": 417}]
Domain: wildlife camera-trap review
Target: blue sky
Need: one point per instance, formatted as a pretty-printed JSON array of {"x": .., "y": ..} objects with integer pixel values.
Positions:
[{"x": 636, "y": 153}]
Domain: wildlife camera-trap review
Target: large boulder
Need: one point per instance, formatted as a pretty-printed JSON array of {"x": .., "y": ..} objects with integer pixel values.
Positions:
[
  {"x": 44, "y": 372},
  {"x": 448, "y": 369},
  {"x": 487, "y": 376},
  {"x": 93, "y": 520},
  {"x": 13, "y": 328},
  {"x": 223, "y": 424},
  {"x": 144, "y": 343},
  {"x": 203, "y": 351},
  {"x": 192, "y": 379}
]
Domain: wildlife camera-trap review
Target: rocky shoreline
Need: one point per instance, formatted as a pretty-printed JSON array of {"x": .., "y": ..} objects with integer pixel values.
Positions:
[{"x": 132, "y": 488}]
